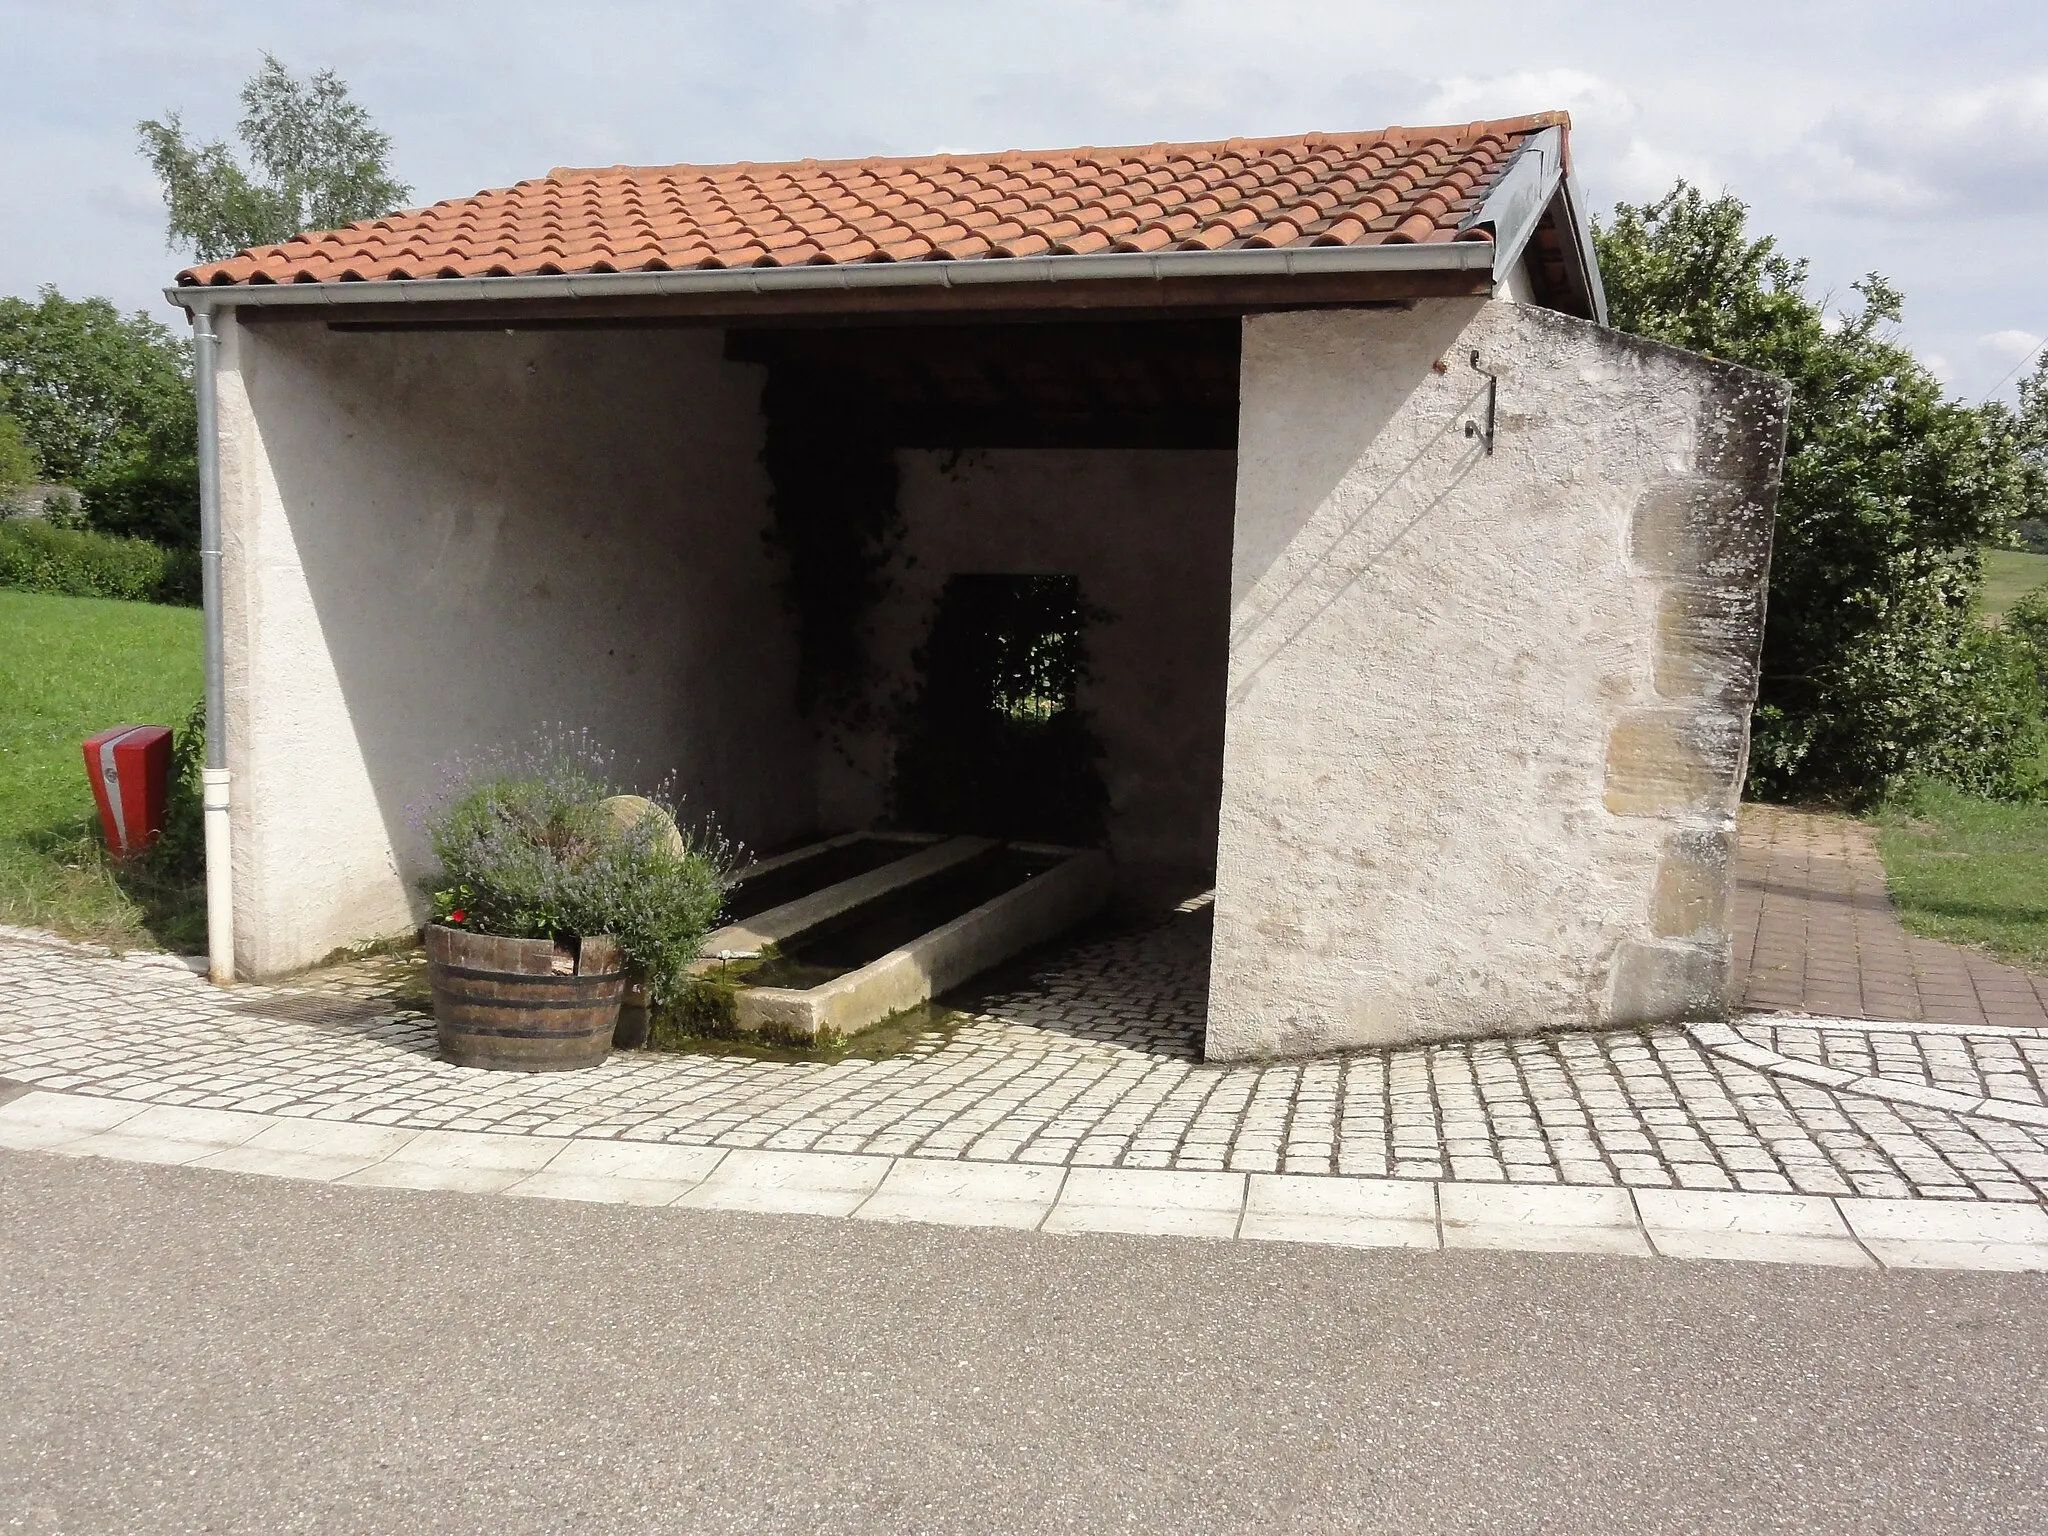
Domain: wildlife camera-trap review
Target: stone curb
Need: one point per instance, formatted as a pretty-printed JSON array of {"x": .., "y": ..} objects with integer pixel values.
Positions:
[
  {"x": 1316, "y": 1209},
  {"x": 1723, "y": 1040}
]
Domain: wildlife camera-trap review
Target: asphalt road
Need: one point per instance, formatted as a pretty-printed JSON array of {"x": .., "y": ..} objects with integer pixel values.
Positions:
[{"x": 195, "y": 1351}]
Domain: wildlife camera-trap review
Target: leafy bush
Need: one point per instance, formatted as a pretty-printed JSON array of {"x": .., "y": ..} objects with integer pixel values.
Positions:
[
  {"x": 17, "y": 460},
  {"x": 2025, "y": 428},
  {"x": 180, "y": 852},
  {"x": 527, "y": 852},
  {"x": 104, "y": 403},
  {"x": 2027, "y": 620},
  {"x": 39, "y": 556},
  {"x": 1996, "y": 748},
  {"x": 1874, "y": 669}
]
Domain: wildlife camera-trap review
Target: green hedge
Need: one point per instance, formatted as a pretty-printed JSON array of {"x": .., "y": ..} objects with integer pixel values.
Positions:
[{"x": 73, "y": 562}]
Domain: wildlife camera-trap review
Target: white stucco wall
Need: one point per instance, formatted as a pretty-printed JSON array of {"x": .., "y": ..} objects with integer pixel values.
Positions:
[
  {"x": 1147, "y": 532},
  {"x": 438, "y": 542},
  {"x": 1486, "y": 714}
]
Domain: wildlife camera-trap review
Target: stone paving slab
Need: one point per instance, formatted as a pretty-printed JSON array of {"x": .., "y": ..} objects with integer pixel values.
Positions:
[
  {"x": 1091, "y": 1064},
  {"x": 1708, "y": 1224},
  {"x": 1257, "y": 1207}
]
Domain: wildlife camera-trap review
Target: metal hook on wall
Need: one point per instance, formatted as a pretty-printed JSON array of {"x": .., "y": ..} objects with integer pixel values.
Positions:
[{"x": 1472, "y": 428}]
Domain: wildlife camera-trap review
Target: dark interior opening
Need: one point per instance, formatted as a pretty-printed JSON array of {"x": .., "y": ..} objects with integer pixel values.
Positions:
[
  {"x": 987, "y": 737},
  {"x": 992, "y": 741},
  {"x": 1101, "y": 384}
]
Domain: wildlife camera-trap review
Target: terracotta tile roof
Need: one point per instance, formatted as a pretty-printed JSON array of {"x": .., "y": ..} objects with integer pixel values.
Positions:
[{"x": 1399, "y": 186}]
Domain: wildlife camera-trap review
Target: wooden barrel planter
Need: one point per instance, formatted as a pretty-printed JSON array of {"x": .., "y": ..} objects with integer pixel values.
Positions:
[
  {"x": 635, "y": 1019},
  {"x": 498, "y": 1003}
]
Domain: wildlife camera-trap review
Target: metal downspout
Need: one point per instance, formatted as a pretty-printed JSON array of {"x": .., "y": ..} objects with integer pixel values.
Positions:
[{"x": 220, "y": 906}]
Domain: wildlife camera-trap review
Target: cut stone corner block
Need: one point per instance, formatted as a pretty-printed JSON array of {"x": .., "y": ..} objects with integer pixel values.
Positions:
[
  {"x": 1654, "y": 981},
  {"x": 1695, "y": 885},
  {"x": 1710, "y": 530},
  {"x": 1739, "y": 434},
  {"x": 1675, "y": 762}
]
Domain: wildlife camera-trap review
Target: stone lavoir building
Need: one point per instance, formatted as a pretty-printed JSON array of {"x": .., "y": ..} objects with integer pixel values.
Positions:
[{"x": 1421, "y": 608}]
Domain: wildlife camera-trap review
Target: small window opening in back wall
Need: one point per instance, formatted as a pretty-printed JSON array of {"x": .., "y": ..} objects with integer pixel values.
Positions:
[{"x": 993, "y": 741}]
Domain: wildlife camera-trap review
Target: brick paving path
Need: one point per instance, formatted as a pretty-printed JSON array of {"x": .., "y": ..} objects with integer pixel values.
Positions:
[{"x": 1815, "y": 933}]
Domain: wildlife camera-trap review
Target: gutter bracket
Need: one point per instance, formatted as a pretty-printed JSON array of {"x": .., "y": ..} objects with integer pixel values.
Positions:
[{"x": 1472, "y": 428}]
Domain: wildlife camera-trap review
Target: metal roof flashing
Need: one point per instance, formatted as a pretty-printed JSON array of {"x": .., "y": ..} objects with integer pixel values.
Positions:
[
  {"x": 1538, "y": 185},
  {"x": 1575, "y": 236},
  {"x": 1518, "y": 201}
]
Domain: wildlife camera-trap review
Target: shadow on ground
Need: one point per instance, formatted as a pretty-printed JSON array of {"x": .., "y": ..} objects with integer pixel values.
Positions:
[{"x": 61, "y": 877}]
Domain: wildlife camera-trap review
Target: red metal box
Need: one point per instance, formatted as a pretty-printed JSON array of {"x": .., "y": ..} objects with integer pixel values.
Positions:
[{"x": 130, "y": 770}]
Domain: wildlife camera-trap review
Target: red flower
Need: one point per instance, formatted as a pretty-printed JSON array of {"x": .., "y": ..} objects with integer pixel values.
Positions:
[{"x": 457, "y": 915}]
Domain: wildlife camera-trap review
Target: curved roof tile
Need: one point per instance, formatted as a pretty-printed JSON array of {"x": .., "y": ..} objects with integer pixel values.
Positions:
[{"x": 1397, "y": 186}]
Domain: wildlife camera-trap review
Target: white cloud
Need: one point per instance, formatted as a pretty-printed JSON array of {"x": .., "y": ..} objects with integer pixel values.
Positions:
[
  {"x": 1826, "y": 174},
  {"x": 1592, "y": 101},
  {"x": 1917, "y": 154},
  {"x": 133, "y": 202},
  {"x": 2011, "y": 345},
  {"x": 1642, "y": 171}
]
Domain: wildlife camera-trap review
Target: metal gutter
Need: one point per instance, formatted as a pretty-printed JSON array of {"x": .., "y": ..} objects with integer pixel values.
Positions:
[
  {"x": 220, "y": 908},
  {"x": 852, "y": 277}
]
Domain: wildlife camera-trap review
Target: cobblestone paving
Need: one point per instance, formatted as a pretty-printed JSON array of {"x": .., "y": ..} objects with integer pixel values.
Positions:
[
  {"x": 1091, "y": 1062},
  {"x": 2005, "y": 1065}
]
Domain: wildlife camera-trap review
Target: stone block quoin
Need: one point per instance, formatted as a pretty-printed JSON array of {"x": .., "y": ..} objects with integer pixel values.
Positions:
[{"x": 1704, "y": 539}]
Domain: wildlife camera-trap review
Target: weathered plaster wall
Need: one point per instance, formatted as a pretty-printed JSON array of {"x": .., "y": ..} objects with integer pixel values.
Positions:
[
  {"x": 1148, "y": 534},
  {"x": 1487, "y": 716},
  {"x": 436, "y": 542}
]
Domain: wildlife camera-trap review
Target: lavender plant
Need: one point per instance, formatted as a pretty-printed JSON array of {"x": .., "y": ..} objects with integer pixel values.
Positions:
[{"x": 526, "y": 852}]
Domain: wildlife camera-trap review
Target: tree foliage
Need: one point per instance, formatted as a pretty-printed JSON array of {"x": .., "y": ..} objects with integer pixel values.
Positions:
[
  {"x": 104, "y": 403},
  {"x": 17, "y": 460},
  {"x": 1873, "y": 666},
  {"x": 2027, "y": 430},
  {"x": 315, "y": 162}
]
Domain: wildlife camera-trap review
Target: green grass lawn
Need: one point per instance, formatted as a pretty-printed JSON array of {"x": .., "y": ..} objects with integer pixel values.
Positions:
[
  {"x": 72, "y": 666},
  {"x": 2009, "y": 575},
  {"x": 1966, "y": 870},
  {"x": 1969, "y": 871}
]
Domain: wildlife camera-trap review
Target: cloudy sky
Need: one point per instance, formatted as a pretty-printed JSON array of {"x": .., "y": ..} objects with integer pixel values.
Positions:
[{"x": 1907, "y": 138}]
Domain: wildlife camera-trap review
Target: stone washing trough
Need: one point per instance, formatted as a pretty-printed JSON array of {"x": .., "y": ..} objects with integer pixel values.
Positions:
[{"x": 833, "y": 938}]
